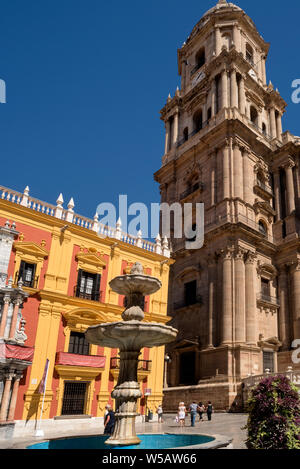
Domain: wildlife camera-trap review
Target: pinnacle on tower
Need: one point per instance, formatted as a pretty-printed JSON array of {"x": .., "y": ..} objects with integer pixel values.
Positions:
[{"x": 222, "y": 2}]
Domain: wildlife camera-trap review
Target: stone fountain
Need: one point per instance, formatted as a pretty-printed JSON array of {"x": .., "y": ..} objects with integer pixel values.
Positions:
[{"x": 130, "y": 336}]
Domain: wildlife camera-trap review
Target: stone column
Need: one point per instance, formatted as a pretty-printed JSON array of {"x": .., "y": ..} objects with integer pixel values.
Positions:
[
  {"x": 167, "y": 125},
  {"x": 224, "y": 89},
  {"x": 183, "y": 74},
  {"x": 214, "y": 98},
  {"x": 273, "y": 123},
  {"x": 279, "y": 127},
  {"x": 290, "y": 186},
  {"x": 234, "y": 89},
  {"x": 277, "y": 194},
  {"x": 211, "y": 263},
  {"x": 263, "y": 70},
  {"x": 295, "y": 273},
  {"x": 175, "y": 129},
  {"x": 283, "y": 318},
  {"x": 226, "y": 320},
  {"x": 14, "y": 319},
  {"x": 5, "y": 397},
  {"x": 13, "y": 401},
  {"x": 248, "y": 190},
  {"x": 4, "y": 315},
  {"x": 218, "y": 41},
  {"x": 237, "y": 37},
  {"x": 240, "y": 332},
  {"x": 242, "y": 96},
  {"x": 237, "y": 171},
  {"x": 226, "y": 172},
  {"x": 250, "y": 296},
  {"x": 213, "y": 159}
]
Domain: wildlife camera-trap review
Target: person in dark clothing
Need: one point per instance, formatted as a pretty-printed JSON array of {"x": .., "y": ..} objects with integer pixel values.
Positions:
[
  {"x": 109, "y": 421},
  {"x": 209, "y": 410},
  {"x": 201, "y": 410}
]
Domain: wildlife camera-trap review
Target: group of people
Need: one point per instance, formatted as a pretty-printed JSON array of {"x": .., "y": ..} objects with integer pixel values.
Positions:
[{"x": 194, "y": 409}]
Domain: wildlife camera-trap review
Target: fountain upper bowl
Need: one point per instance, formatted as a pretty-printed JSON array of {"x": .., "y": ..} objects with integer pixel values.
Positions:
[{"x": 135, "y": 283}]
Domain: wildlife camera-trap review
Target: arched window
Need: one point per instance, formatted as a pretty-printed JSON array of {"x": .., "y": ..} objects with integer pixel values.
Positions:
[
  {"x": 250, "y": 54},
  {"x": 186, "y": 134},
  {"x": 198, "y": 123},
  {"x": 262, "y": 228},
  {"x": 200, "y": 58},
  {"x": 253, "y": 115}
]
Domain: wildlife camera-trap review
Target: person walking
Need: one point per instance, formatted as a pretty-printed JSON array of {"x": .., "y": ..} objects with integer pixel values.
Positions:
[
  {"x": 181, "y": 414},
  {"x": 209, "y": 410},
  {"x": 109, "y": 421},
  {"x": 159, "y": 411},
  {"x": 201, "y": 410},
  {"x": 193, "y": 410}
]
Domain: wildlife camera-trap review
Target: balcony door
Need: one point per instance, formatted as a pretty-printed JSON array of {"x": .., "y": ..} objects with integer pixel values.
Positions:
[
  {"x": 88, "y": 285},
  {"x": 74, "y": 398}
]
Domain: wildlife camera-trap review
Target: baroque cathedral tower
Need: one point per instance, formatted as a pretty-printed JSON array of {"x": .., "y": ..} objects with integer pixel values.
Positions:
[{"x": 235, "y": 301}]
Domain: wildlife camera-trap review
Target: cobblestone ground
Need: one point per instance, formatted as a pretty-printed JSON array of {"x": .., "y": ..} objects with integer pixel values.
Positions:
[{"x": 221, "y": 424}]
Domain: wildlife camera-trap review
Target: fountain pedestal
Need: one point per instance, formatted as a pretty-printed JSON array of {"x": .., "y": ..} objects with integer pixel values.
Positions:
[{"x": 130, "y": 336}]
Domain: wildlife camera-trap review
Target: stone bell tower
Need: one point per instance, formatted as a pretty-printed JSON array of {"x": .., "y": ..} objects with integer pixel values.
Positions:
[{"x": 234, "y": 301}]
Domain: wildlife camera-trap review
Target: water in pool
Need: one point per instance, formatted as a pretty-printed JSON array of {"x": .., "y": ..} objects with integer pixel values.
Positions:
[{"x": 148, "y": 442}]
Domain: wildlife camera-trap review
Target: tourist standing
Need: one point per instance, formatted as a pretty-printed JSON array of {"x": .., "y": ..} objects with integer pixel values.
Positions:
[
  {"x": 160, "y": 413},
  {"x": 201, "y": 410},
  {"x": 181, "y": 414},
  {"x": 109, "y": 421},
  {"x": 209, "y": 410},
  {"x": 193, "y": 411}
]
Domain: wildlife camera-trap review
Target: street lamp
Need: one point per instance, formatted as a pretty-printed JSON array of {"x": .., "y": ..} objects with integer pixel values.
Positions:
[{"x": 167, "y": 360}]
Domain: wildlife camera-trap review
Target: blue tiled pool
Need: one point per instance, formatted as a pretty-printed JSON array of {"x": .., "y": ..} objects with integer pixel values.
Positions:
[{"x": 148, "y": 442}]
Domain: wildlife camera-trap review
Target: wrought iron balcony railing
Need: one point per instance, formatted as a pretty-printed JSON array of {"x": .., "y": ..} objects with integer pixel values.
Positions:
[
  {"x": 143, "y": 365},
  {"x": 268, "y": 299},
  {"x": 92, "y": 296},
  {"x": 191, "y": 190},
  {"x": 32, "y": 283}
]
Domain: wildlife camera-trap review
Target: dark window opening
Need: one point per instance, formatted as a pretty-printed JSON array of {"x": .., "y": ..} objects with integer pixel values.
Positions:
[
  {"x": 262, "y": 228},
  {"x": 198, "y": 123},
  {"x": 253, "y": 115},
  {"x": 27, "y": 273},
  {"x": 265, "y": 288},
  {"x": 74, "y": 398},
  {"x": 190, "y": 293},
  {"x": 268, "y": 361},
  {"x": 186, "y": 134},
  {"x": 283, "y": 199},
  {"x": 208, "y": 113},
  {"x": 187, "y": 368},
  {"x": 249, "y": 54},
  {"x": 78, "y": 344},
  {"x": 88, "y": 285},
  {"x": 264, "y": 129},
  {"x": 200, "y": 58}
]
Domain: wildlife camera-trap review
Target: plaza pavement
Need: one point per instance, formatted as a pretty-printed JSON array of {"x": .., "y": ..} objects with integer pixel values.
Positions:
[{"x": 222, "y": 424}]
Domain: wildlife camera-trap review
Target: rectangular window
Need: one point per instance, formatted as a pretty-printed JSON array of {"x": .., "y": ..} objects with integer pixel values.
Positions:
[
  {"x": 27, "y": 274},
  {"x": 268, "y": 361},
  {"x": 190, "y": 293},
  {"x": 74, "y": 398},
  {"x": 265, "y": 288},
  {"x": 88, "y": 285},
  {"x": 78, "y": 344}
]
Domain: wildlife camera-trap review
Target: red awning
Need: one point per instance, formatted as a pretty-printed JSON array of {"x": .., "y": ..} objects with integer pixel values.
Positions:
[
  {"x": 16, "y": 352},
  {"x": 72, "y": 359}
]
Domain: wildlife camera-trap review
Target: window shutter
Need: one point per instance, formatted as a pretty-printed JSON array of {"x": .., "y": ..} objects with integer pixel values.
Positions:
[
  {"x": 78, "y": 282},
  {"x": 97, "y": 282},
  {"x": 22, "y": 271}
]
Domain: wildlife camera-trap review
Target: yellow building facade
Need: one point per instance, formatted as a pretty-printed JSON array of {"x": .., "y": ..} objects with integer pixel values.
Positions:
[{"x": 65, "y": 263}]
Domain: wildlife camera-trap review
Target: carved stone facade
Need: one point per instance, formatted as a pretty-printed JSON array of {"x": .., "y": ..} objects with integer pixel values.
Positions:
[{"x": 224, "y": 135}]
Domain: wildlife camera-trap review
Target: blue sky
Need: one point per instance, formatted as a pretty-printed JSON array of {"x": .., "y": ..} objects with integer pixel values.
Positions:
[{"x": 86, "y": 80}]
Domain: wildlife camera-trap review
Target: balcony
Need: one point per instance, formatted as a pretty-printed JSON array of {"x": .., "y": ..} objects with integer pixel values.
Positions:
[
  {"x": 16, "y": 352},
  {"x": 32, "y": 283},
  {"x": 188, "y": 304},
  {"x": 269, "y": 300},
  {"x": 262, "y": 190},
  {"x": 74, "y": 359},
  {"x": 92, "y": 296},
  {"x": 191, "y": 190},
  {"x": 144, "y": 368}
]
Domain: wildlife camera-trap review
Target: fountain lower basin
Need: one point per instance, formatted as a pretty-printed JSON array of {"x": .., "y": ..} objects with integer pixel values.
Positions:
[{"x": 148, "y": 441}]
